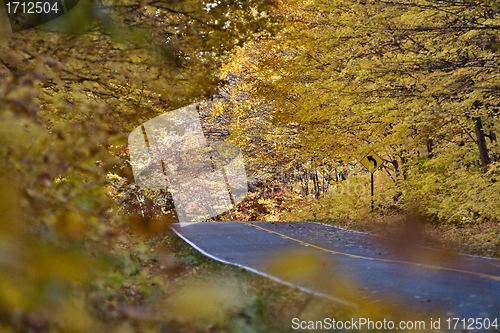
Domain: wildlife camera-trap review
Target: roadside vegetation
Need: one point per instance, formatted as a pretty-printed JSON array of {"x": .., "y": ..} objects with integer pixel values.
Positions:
[
  {"x": 343, "y": 206},
  {"x": 195, "y": 294}
]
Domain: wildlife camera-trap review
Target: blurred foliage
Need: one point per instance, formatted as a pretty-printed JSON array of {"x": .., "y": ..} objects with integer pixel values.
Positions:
[{"x": 71, "y": 91}]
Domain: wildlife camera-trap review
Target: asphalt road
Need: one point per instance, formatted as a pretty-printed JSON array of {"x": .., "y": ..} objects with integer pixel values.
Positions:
[{"x": 377, "y": 269}]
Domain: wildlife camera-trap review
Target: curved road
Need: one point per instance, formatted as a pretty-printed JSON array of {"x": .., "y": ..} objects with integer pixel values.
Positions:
[{"x": 432, "y": 282}]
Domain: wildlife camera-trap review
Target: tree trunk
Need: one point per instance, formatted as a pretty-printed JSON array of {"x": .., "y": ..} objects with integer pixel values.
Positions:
[
  {"x": 429, "y": 148},
  {"x": 493, "y": 136},
  {"x": 306, "y": 182},
  {"x": 324, "y": 183},
  {"x": 481, "y": 143},
  {"x": 316, "y": 183}
]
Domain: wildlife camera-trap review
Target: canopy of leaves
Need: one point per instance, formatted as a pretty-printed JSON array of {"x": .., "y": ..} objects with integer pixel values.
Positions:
[
  {"x": 71, "y": 91},
  {"x": 406, "y": 78}
]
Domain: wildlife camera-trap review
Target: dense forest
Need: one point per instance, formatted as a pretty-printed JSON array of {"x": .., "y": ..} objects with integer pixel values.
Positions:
[
  {"x": 304, "y": 87},
  {"x": 415, "y": 81}
]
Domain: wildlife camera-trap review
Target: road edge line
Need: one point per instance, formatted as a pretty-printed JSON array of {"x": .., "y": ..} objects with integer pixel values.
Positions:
[{"x": 255, "y": 271}]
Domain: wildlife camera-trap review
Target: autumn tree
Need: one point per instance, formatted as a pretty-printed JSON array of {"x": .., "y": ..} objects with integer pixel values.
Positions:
[
  {"x": 415, "y": 80},
  {"x": 71, "y": 91}
]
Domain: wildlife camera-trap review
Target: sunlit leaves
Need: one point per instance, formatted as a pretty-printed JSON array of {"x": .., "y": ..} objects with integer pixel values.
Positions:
[
  {"x": 70, "y": 93},
  {"x": 400, "y": 77}
]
